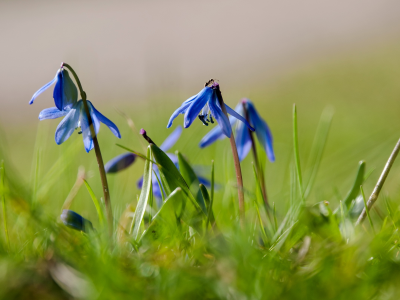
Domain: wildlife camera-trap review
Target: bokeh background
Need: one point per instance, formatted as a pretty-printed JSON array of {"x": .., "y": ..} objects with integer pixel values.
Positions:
[{"x": 146, "y": 57}]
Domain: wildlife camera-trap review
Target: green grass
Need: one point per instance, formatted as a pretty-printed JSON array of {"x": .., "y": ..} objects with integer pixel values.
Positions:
[{"x": 308, "y": 246}]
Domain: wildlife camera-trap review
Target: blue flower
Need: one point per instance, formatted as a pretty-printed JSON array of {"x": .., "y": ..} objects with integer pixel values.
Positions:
[
  {"x": 243, "y": 139},
  {"x": 206, "y": 103},
  {"x": 76, "y": 117},
  {"x": 65, "y": 93},
  {"x": 75, "y": 221}
]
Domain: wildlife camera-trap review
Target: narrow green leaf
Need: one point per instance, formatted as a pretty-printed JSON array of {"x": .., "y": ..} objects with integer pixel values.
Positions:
[
  {"x": 170, "y": 176},
  {"x": 144, "y": 195},
  {"x": 318, "y": 147},
  {"x": 297, "y": 154},
  {"x": 191, "y": 179},
  {"x": 355, "y": 189},
  {"x": 96, "y": 203},
  {"x": 206, "y": 197},
  {"x": 366, "y": 209},
  {"x": 3, "y": 201}
]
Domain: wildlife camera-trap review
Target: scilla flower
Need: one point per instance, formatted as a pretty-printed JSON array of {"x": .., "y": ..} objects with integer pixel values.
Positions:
[
  {"x": 75, "y": 221},
  {"x": 65, "y": 93},
  {"x": 205, "y": 104},
  {"x": 243, "y": 139},
  {"x": 76, "y": 117}
]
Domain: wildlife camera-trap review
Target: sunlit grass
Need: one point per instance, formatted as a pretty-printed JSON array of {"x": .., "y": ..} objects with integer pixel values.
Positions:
[{"x": 346, "y": 112}]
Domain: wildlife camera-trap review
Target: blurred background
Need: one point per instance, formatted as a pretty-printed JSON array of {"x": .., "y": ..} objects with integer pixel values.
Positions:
[{"x": 146, "y": 57}]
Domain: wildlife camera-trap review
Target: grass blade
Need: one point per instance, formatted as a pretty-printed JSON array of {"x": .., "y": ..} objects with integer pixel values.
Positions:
[
  {"x": 96, "y": 203},
  {"x": 144, "y": 195},
  {"x": 3, "y": 202},
  {"x": 366, "y": 209},
  {"x": 297, "y": 154}
]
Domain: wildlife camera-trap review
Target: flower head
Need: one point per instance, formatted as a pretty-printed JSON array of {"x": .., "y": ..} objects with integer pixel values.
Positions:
[
  {"x": 204, "y": 104},
  {"x": 243, "y": 138},
  {"x": 75, "y": 221},
  {"x": 65, "y": 93},
  {"x": 76, "y": 117}
]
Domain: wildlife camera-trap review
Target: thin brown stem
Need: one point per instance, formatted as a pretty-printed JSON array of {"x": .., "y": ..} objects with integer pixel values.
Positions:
[
  {"x": 238, "y": 170},
  {"x": 100, "y": 162},
  {"x": 379, "y": 184}
]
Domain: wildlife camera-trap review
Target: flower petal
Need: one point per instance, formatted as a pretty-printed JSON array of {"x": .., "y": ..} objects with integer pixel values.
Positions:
[
  {"x": 70, "y": 92},
  {"x": 171, "y": 139},
  {"x": 196, "y": 105},
  {"x": 58, "y": 90},
  {"x": 84, "y": 122},
  {"x": 262, "y": 130},
  {"x": 243, "y": 140},
  {"x": 43, "y": 88},
  {"x": 120, "y": 162},
  {"x": 75, "y": 221},
  {"x": 181, "y": 110},
  {"x": 52, "y": 113},
  {"x": 238, "y": 116},
  {"x": 222, "y": 120},
  {"x": 68, "y": 124},
  {"x": 215, "y": 134},
  {"x": 106, "y": 121}
]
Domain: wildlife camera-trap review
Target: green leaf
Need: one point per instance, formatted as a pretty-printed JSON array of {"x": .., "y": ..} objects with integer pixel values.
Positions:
[
  {"x": 206, "y": 197},
  {"x": 171, "y": 179},
  {"x": 170, "y": 176},
  {"x": 355, "y": 189},
  {"x": 191, "y": 179},
  {"x": 144, "y": 195},
  {"x": 165, "y": 223},
  {"x": 96, "y": 203}
]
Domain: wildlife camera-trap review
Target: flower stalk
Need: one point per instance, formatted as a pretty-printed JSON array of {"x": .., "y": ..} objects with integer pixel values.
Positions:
[
  {"x": 259, "y": 168},
  {"x": 236, "y": 160},
  {"x": 379, "y": 184},
  {"x": 100, "y": 162}
]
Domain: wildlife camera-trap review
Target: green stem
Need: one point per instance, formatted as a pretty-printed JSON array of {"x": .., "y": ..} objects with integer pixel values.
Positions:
[
  {"x": 259, "y": 168},
  {"x": 379, "y": 184},
  {"x": 3, "y": 201},
  {"x": 238, "y": 170},
  {"x": 106, "y": 191}
]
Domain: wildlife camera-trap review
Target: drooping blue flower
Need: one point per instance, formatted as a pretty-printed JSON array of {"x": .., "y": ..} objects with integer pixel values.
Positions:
[
  {"x": 65, "y": 93},
  {"x": 206, "y": 103},
  {"x": 75, "y": 221},
  {"x": 243, "y": 139},
  {"x": 76, "y": 117}
]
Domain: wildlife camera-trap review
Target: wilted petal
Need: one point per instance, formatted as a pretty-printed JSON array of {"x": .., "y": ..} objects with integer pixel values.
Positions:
[
  {"x": 243, "y": 140},
  {"x": 262, "y": 130},
  {"x": 215, "y": 134},
  {"x": 171, "y": 139},
  {"x": 68, "y": 124},
  {"x": 75, "y": 221},
  {"x": 43, "y": 88},
  {"x": 222, "y": 120},
  {"x": 52, "y": 113},
  {"x": 197, "y": 105},
  {"x": 238, "y": 116},
  {"x": 114, "y": 129},
  {"x": 120, "y": 162}
]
